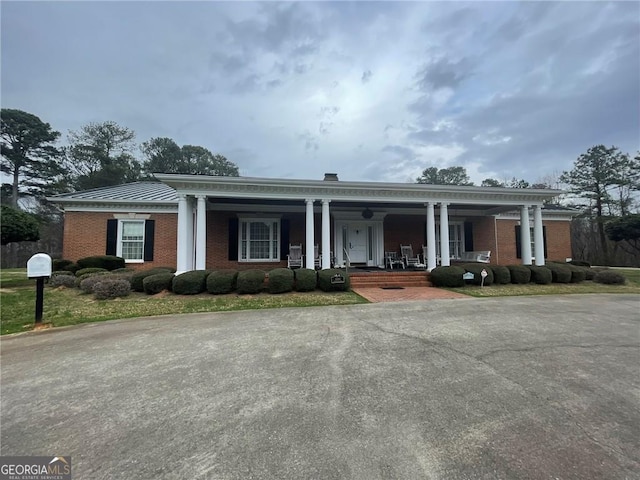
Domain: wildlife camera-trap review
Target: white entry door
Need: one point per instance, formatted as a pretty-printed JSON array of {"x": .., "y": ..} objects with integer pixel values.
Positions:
[{"x": 357, "y": 243}]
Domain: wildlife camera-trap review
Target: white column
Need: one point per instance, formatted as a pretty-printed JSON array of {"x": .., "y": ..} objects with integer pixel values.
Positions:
[
  {"x": 431, "y": 237},
  {"x": 182, "y": 251},
  {"x": 525, "y": 235},
  {"x": 538, "y": 237},
  {"x": 445, "y": 259},
  {"x": 190, "y": 235},
  {"x": 310, "y": 236},
  {"x": 326, "y": 235},
  {"x": 201, "y": 233}
]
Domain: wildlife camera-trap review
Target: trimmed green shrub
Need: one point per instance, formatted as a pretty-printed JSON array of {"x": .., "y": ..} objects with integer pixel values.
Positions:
[
  {"x": 306, "y": 279},
  {"x": 447, "y": 276},
  {"x": 157, "y": 283},
  {"x": 108, "y": 262},
  {"x": 324, "y": 280},
  {"x": 250, "y": 281},
  {"x": 59, "y": 264},
  {"x": 280, "y": 280},
  {"x": 609, "y": 277},
  {"x": 88, "y": 275},
  {"x": 560, "y": 273},
  {"x": 68, "y": 281},
  {"x": 476, "y": 269},
  {"x": 111, "y": 288},
  {"x": 520, "y": 274},
  {"x": 124, "y": 270},
  {"x": 589, "y": 273},
  {"x": 190, "y": 283},
  {"x": 540, "y": 275},
  {"x": 580, "y": 263},
  {"x": 84, "y": 271},
  {"x": 577, "y": 273},
  {"x": 138, "y": 277},
  {"x": 222, "y": 281},
  {"x": 501, "y": 274}
]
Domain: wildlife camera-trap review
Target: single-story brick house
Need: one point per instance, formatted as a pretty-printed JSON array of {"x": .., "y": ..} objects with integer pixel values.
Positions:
[{"x": 198, "y": 222}]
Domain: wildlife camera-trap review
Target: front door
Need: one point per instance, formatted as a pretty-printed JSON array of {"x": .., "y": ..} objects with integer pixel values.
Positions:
[{"x": 357, "y": 243}]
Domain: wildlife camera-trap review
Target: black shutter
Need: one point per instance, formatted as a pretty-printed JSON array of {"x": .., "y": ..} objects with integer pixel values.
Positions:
[
  {"x": 284, "y": 238},
  {"x": 233, "y": 239},
  {"x": 518, "y": 242},
  {"x": 149, "y": 233},
  {"x": 544, "y": 240},
  {"x": 112, "y": 236},
  {"x": 468, "y": 237}
]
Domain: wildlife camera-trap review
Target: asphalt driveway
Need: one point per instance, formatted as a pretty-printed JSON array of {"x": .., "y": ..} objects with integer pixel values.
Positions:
[{"x": 522, "y": 387}]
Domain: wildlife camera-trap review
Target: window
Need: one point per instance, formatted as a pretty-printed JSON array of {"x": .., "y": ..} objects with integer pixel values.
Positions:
[
  {"x": 131, "y": 240},
  {"x": 456, "y": 240},
  {"x": 259, "y": 240}
]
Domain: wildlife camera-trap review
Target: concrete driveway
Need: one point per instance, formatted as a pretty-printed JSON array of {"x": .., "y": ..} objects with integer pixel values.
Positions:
[{"x": 522, "y": 387}]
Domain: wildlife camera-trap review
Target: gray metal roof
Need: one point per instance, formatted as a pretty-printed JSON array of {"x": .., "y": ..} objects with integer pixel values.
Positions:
[{"x": 136, "y": 192}]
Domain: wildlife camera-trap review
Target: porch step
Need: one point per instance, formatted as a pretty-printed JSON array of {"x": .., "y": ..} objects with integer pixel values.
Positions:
[{"x": 389, "y": 279}]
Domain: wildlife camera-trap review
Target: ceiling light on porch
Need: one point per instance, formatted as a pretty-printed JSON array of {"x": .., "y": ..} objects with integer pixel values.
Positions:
[{"x": 367, "y": 214}]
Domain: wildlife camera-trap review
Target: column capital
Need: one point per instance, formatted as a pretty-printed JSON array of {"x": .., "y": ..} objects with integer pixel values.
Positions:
[
  {"x": 326, "y": 201},
  {"x": 182, "y": 196},
  {"x": 309, "y": 200},
  {"x": 201, "y": 197},
  {"x": 444, "y": 204}
]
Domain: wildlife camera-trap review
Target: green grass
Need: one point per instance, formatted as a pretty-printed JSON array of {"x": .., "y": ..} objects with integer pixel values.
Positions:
[
  {"x": 632, "y": 286},
  {"x": 15, "y": 277},
  {"x": 70, "y": 307}
]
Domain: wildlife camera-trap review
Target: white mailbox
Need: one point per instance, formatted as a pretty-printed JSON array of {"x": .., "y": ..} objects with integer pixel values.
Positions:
[{"x": 39, "y": 266}]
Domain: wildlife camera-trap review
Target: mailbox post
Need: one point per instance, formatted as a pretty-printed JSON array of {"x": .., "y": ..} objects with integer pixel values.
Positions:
[{"x": 39, "y": 267}]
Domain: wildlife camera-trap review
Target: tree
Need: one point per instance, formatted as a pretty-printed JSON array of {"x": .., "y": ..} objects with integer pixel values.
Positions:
[
  {"x": 625, "y": 229},
  {"x": 163, "y": 155},
  {"x": 445, "y": 176},
  {"x": 18, "y": 226},
  {"x": 594, "y": 175},
  {"x": 29, "y": 155},
  {"x": 100, "y": 154},
  {"x": 491, "y": 182}
]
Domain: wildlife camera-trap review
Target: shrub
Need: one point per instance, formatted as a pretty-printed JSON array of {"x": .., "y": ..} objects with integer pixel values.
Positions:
[
  {"x": 153, "y": 284},
  {"x": 57, "y": 273},
  {"x": 306, "y": 279},
  {"x": 190, "y": 283},
  {"x": 124, "y": 270},
  {"x": 68, "y": 281},
  {"x": 501, "y": 274},
  {"x": 560, "y": 273},
  {"x": 250, "y": 281},
  {"x": 222, "y": 281},
  {"x": 520, "y": 274},
  {"x": 580, "y": 263},
  {"x": 447, "y": 276},
  {"x": 476, "y": 269},
  {"x": 280, "y": 280},
  {"x": 88, "y": 275},
  {"x": 589, "y": 273},
  {"x": 84, "y": 271},
  {"x": 111, "y": 288},
  {"x": 108, "y": 262},
  {"x": 59, "y": 264},
  {"x": 540, "y": 275},
  {"x": 324, "y": 280},
  {"x": 577, "y": 273},
  {"x": 138, "y": 277},
  {"x": 609, "y": 277},
  {"x": 88, "y": 284}
]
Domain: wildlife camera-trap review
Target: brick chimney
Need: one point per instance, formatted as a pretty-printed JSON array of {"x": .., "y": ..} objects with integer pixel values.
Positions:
[{"x": 330, "y": 177}]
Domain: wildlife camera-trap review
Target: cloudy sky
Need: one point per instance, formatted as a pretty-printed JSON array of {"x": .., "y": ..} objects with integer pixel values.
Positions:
[{"x": 372, "y": 91}]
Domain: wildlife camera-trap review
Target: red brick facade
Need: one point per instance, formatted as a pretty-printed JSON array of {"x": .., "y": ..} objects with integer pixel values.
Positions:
[{"x": 85, "y": 235}]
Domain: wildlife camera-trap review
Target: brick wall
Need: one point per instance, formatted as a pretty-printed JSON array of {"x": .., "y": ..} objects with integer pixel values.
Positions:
[
  {"x": 405, "y": 230},
  {"x": 85, "y": 235},
  {"x": 558, "y": 241}
]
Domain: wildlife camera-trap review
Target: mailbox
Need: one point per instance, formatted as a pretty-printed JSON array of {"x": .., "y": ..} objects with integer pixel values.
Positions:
[{"x": 39, "y": 265}]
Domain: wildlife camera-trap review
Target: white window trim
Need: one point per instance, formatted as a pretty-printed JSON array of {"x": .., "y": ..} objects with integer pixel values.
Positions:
[
  {"x": 119, "y": 241},
  {"x": 258, "y": 218}
]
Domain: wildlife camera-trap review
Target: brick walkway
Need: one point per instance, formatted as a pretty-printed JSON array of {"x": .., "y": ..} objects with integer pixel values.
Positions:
[{"x": 376, "y": 294}]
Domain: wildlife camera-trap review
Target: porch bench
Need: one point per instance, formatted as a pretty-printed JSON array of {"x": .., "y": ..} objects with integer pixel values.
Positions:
[{"x": 480, "y": 256}]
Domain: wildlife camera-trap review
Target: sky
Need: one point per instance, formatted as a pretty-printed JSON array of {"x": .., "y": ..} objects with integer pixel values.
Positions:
[{"x": 372, "y": 91}]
